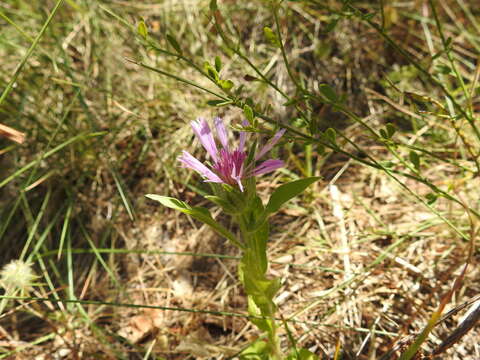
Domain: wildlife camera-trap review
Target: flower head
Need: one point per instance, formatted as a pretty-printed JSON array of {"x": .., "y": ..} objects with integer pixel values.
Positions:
[
  {"x": 228, "y": 164},
  {"x": 17, "y": 275}
]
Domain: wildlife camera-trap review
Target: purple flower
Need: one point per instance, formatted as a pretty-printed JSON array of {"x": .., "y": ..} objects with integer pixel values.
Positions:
[{"x": 228, "y": 164}]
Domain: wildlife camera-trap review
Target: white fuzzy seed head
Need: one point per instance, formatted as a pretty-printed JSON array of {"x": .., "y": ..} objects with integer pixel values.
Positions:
[{"x": 17, "y": 275}]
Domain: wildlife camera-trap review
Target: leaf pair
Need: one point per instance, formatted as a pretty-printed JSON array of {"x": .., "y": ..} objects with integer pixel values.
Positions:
[{"x": 279, "y": 197}]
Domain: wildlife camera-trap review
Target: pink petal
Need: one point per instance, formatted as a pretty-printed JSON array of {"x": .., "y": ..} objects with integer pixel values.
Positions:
[
  {"x": 267, "y": 166},
  {"x": 270, "y": 144},
  {"x": 191, "y": 162},
  {"x": 221, "y": 132},
  {"x": 204, "y": 134},
  {"x": 237, "y": 175},
  {"x": 239, "y": 182},
  {"x": 243, "y": 137}
]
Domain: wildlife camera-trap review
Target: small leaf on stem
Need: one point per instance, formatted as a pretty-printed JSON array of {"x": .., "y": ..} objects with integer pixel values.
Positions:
[
  {"x": 248, "y": 112},
  {"x": 174, "y": 43},
  {"x": 271, "y": 36},
  {"x": 211, "y": 71},
  {"x": 288, "y": 191},
  {"x": 213, "y": 5},
  {"x": 328, "y": 92},
  {"x": 415, "y": 159},
  {"x": 142, "y": 29},
  {"x": 226, "y": 84},
  {"x": 390, "y": 129},
  {"x": 218, "y": 63},
  {"x": 331, "y": 135}
]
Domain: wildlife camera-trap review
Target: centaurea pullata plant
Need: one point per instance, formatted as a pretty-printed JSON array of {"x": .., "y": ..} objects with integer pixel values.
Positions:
[{"x": 231, "y": 172}]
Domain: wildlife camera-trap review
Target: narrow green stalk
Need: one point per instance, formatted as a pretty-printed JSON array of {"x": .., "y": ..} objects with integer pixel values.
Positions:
[
  {"x": 446, "y": 48},
  {"x": 282, "y": 49},
  {"x": 182, "y": 80}
]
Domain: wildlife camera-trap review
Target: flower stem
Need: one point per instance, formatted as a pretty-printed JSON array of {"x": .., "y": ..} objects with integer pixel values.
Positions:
[{"x": 252, "y": 270}]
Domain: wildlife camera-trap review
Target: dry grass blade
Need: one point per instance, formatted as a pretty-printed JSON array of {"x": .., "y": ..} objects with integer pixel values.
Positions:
[
  {"x": 12, "y": 134},
  {"x": 469, "y": 321}
]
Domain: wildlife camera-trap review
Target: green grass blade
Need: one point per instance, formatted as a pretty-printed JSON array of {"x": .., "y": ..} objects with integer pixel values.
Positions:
[
  {"x": 22, "y": 63},
  {"x": 49, "y": 153}
]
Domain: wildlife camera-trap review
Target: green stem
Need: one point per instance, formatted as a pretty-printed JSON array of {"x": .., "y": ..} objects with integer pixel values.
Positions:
[
  {"x": 282, "y": 49},
  {"x": 274, "y": 341},
  {"x": 255, "y": 254}
]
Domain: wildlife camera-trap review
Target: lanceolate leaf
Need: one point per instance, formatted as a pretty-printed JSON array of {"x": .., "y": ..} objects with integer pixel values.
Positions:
[
  {"x": 271, "y": 37},
  {"x": 174, "y": 43},
  {"x": 225, "y": 205},
  {"x": 258, "y": 350},
  {"x": 198, "y": 213},
  {"x": 248, "y": 112},
  {"x": 218, "y": 63},
  {"x": 142, "y": 29},
  {"x": 327, "y": 91},
  {"x": 288, "y": 191},
  {"x": 415, "y": 159}
]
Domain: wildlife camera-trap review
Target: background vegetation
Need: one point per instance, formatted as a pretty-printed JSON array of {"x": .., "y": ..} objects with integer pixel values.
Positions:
[{"x": 380, "y": 98}]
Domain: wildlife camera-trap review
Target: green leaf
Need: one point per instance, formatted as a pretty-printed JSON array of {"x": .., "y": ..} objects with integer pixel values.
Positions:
[
  {"x": 387, "y": 164},
  {"x": 198, "y": 213},
  {"x": 211, "y": 72},
  {"x": 383, "y": 134},
  {"x": 415, "y": 159},
  {"x": 390, "y": 129},
  {"x": 444, "y": 69},
  {"x": 142, "y": 29},
  {"x": 328, "y": 92},
  {"x": 331, "y": 135},
  {"x": 213, "y": 5},
  {"x": 226, "y": 84},
  {"x": 448, "y": 42},
  {"x": 437, "y": 55},
  {"x": 248, "y": 112},
  {"x": 261, "y": 289},
  {"x": 170, "y": 202},
  {"x": 219, "y": 103},
  {"x": 294, "y": 101},
  {"x": 431, "y": 198},
  {"x": 271, "y": 36},
  {"x": 288, "y": 191},
  {"x": 174, "y": 43},
  {"x": 304, "y": 354},
  {"x": 218, "y": 63},
  {"x": 260, "y": 246},
  {"x": 320, "y": 149},
  {"x": 369, "y": 16},
  {"x": 224, "y": 204},
  {"x": 254, "y": 280},
  {"x": 260, "y": 293},
  {"x": 258, "y": 350}
]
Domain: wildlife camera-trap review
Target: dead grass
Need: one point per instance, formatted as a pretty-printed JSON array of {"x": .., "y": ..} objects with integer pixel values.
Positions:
[{"x": 362, "y": 262}]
